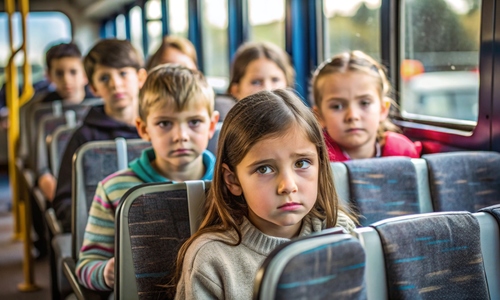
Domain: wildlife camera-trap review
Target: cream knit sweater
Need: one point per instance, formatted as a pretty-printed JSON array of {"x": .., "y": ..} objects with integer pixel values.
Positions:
[{"x": 215, "y": 270}]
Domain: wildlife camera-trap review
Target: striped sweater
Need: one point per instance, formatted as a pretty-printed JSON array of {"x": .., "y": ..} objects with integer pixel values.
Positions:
[{"x": 99, "y": 239}]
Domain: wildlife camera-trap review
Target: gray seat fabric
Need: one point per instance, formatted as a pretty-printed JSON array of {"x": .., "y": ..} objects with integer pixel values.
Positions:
[
  {"x": 212, "y": 144},
  {"x": 383, "y": 187},
  {"x": 93, "y": 162},
  {"x": 223, "y": 104},
  {"x": 58, "y": 142},
  {"x": 433, "y": 256},
  {"x": 325, "y": 266},
  {"x": 464, "y": 180},
  {"x": 153, "y": 220}
]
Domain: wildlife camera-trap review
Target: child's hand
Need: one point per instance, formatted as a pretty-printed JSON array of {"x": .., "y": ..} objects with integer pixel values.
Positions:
[
  {"x": 47, "y": 184},
  {"x": 109, "y": 273}
]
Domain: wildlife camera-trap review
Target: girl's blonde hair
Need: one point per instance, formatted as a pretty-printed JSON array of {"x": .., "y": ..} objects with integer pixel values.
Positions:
[
  {"x": 357, "y": 61},
  {"x": 249, "y": 52},
  {"x": 176, "y": 42},
  {"x": 263, "y": 115}
]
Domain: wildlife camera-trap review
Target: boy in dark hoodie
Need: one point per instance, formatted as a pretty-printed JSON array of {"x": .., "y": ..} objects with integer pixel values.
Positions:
[{"x": 115, "y": 73}]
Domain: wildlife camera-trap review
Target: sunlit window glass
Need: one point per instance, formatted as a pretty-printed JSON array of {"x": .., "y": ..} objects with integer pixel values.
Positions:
[
  {"x": 121, "y": 32},
  {"x": 155, "y": 35},
  {"x": 215, "y": 46},
  {"x": 44, "y": 30},
  {"x": 440, "y": 60},
  {"x": 267, "y": 21},
  {"x": 153, "y": 10},
  {"x": 136, "y": 28},
  {"x": 178, "y": 17},
  {"x": 352, "y": 25}
]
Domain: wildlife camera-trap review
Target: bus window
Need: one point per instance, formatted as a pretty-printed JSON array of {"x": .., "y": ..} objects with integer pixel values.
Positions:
[
  {"x": 154, "y": 25},
  {"x": 215, "y": 44},
  {"x": 441, "y": 37},
  {"x": 44, "y": 29},
  {"x": 178, "y": 18},
  {"x": 121, "y": 31},
  {"x": 352, "y": 25},
  {"x": 136, "y": 28},
  {"x": 267, "y": 21}
]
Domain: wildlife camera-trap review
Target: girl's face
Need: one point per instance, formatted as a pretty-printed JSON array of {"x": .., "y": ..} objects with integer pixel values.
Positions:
[
  {"x": 260, "y": 74},
  {"x": 278, "y": 178},
  {"x": 351, "y": 111}
]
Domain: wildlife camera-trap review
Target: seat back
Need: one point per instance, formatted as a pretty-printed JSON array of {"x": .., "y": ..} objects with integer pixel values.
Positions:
[
  {"x": 383, "y": 187},
  {"x": 223, "y": 104},
  {"x": 153, "y": 220},
  {"x": 464, "y": 180},
  {"x": 490, "y": 247},
  {"x": 212, "y": 144},
  {"x": 57, "y": 145},
  {"x": 433, "y": 256},
  {"x": 329, "y": 265},
  {"x": 93, "y": 162}
]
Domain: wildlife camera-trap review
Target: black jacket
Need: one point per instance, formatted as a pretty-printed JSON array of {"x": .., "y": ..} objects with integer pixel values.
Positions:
[{"x": 97, "y": 126}]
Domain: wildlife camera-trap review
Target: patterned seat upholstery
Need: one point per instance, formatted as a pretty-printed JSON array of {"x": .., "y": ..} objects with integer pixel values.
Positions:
[
  {"x": 464, "y": 180},
  {"x": 383, "y": 187},
  {"x": 329, "y": 265},
  {"x": 153, "y": 220},
  {"x": 433, "y": 256}
]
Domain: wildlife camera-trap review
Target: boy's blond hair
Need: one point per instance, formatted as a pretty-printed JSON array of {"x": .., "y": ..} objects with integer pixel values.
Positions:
[{"x": 175, "y": 86}]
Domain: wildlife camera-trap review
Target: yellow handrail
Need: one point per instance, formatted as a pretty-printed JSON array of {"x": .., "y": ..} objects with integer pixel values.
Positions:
[{"x": 20, "y": 199}]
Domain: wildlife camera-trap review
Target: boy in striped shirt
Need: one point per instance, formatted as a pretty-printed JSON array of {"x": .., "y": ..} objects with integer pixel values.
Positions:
[{"x": 176, "y": 114}]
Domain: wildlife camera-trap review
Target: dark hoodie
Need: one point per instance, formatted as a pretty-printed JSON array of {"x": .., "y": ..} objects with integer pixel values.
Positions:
[{"x": 97, "y": 126}]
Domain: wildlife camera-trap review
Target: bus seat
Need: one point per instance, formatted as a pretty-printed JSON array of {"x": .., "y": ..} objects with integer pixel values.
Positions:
[
  {"x": 153, "y": 220},
  {"x": 328, "y": 265},
  {"x": 92, "y": 162},
  {"x": 490, "y": 247},
  {"x": 375, "y": 274},
  {"x": 424, "y": 193},
  {"x": 464, "y": 180},
  {"x": 57, "y": 145},
  {"x": 212, "y": 144},
  {"x": 383, "y": 187},
  {"x": 434, "y": 255},
  {"x": 341, "y": 182},
  {"x": 223, "y": 104}
]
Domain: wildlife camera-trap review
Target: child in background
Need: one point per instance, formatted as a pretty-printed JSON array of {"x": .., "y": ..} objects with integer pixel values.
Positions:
[
  {"x": 65, "y": 71},
  {"x": 257, "y": 67},
  {"x": 262, "y": 195},
  {"x": 174, "y": 49},
  {"x": 176, "y": 115},
  {"x": 114, "y": 68},
  {"x": 351, "y": 100}
]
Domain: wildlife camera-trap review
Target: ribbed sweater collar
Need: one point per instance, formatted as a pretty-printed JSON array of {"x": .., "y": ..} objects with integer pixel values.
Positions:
[{"x": 263, "y": 244}]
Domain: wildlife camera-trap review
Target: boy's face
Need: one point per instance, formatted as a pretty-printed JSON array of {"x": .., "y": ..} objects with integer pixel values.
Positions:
[
  {"x": 118, "y": 88},
  {"x": 69, "y": 78},
  {"x": 178, "y": 138}
]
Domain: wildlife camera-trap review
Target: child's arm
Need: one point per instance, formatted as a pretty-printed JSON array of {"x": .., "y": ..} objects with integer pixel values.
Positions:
[{"x": 98, "y": 244}]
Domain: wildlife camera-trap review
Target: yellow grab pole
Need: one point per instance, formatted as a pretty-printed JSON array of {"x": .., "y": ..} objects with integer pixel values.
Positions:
[
  {"x": 13, "y": 131},
  {"x": 24, "y": 201}
]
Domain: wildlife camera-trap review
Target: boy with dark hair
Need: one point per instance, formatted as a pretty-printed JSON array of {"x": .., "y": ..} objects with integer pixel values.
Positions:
[
  {"x": 114, "y": 69},
  {"x": 65, "y": 72}
]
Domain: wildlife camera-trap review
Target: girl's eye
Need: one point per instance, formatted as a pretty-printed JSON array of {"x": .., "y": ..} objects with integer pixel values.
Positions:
[
  {"x": 255, "y": 82},
  {"x": 302, "y": 164},
  {"x": 365, "y": 102},
  {"x": 276, "y": 79},
  {"x": 264, "y": 170},
  {"x": 73, "y": 72}
]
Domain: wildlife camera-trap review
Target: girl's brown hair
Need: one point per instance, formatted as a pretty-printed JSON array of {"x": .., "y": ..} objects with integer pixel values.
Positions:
[
  {"x": 263, "y": 115},
  {"x": 249, "y": 52},
  {"x": 356, "y": 61}
]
